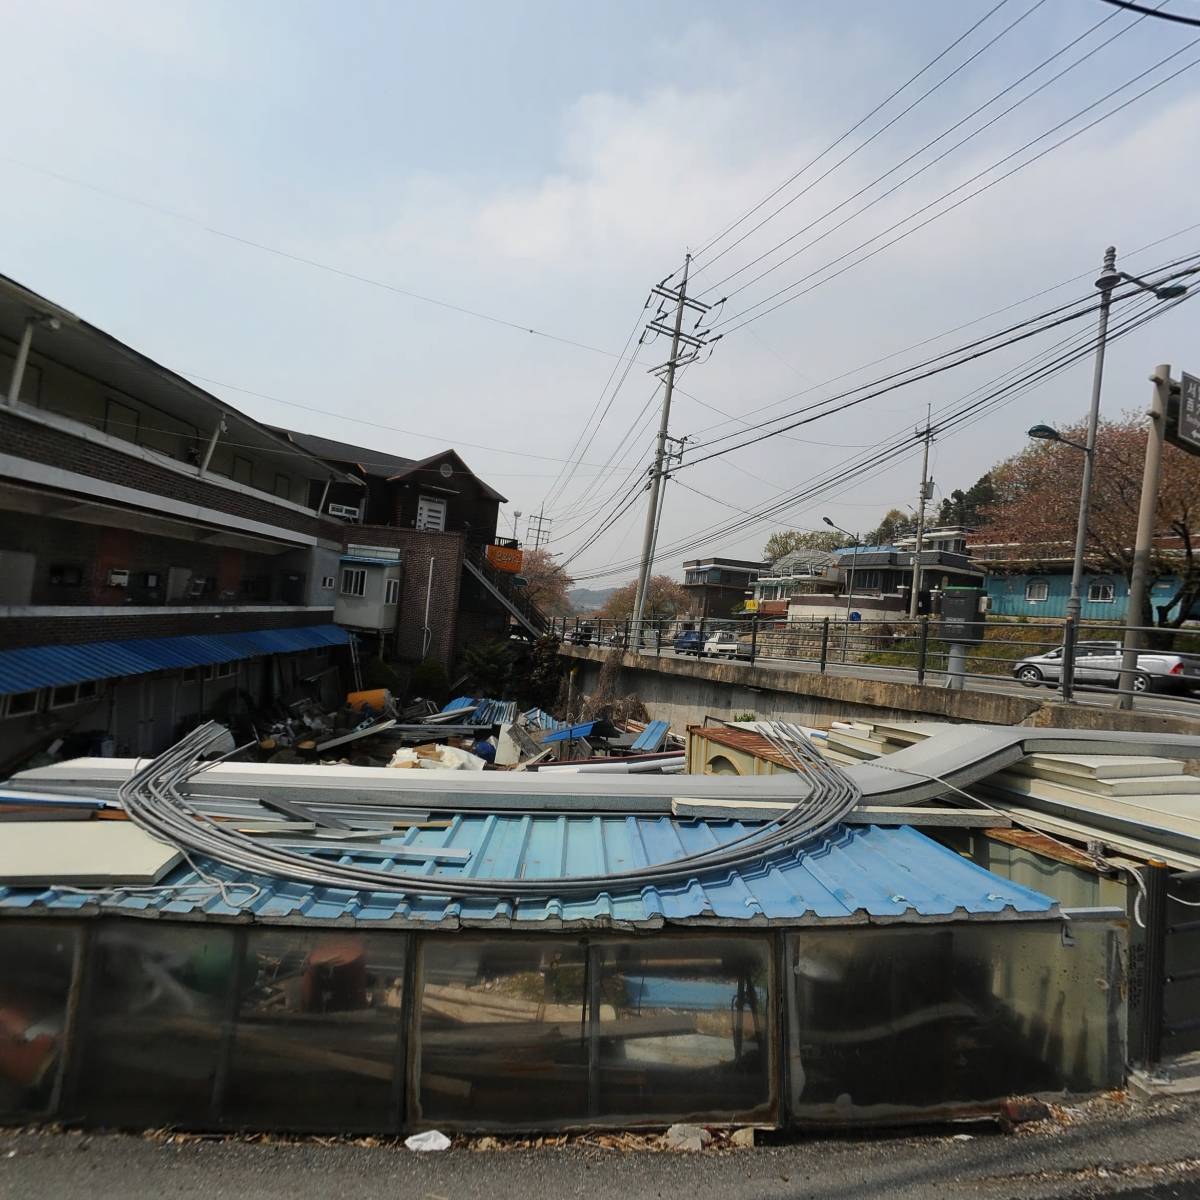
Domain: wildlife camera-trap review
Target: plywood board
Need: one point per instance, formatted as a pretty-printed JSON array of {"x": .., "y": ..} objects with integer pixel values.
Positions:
[{"x": 83, "y": 853}]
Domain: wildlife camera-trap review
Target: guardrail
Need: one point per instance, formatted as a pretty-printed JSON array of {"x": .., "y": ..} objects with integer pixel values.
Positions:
[{"x": 915, "y": 651}]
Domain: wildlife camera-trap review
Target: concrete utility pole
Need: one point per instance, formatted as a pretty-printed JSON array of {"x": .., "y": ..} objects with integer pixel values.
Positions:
[
  {"x": 1144, "y": 543},
  {"x": 925, "y": 494},
  {"x": 693, "y": 342},
  {"x": 1109, "y": 278}
]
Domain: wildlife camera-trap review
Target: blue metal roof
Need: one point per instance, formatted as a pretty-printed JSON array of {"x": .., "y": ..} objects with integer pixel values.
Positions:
[
  {"x": 568, "y": 733},
  {"x": 32, "y": 667},
  {"x": 856, "y": 874},
  {"x": 487, "y": 712}
]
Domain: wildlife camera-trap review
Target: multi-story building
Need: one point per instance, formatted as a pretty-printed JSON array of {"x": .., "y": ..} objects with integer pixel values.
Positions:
[
  {"x": 162, "y": 555},
  {"x": 423, "y": 572},
  {"x": 718, "y": 586}
]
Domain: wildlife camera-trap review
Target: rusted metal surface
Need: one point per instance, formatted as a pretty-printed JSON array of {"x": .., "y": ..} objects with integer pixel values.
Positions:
[
  {"x": 1047, "y": 847},
  {"x": 745, "y": 740}
]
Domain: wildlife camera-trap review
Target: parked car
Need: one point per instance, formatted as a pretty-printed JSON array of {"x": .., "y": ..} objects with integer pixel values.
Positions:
[
  {"x": 689, "y": 641},
  {"x": 722, "y": 644},
  {"x": 1100, "y": 662}
]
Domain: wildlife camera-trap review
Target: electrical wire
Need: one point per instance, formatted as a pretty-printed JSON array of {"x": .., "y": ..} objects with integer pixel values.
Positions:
[
  {"x": 743, "y": 317},
  {"x": 929, "y": 145},
  {"x": 854, "y": 128},
  {"x": 1129, "y": 6}
]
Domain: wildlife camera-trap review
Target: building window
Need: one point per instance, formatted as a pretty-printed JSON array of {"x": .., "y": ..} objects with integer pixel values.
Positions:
[
  {"x": 1036, "y": 591},
  {"x": 1101, "y": 592},
  {"x": 121, "y": 420},
  {"x": 190, "y": 675},
  {"x": 21, "y": 704},
  {"x": 65, "y": 575},
  {"x": 224, "y": 670},
  {"x": 328, "y": 582},
  {"x": 391, "y": 592},
  {"x": 354, "y": 581},
  {"x": 283, "y": 486}
]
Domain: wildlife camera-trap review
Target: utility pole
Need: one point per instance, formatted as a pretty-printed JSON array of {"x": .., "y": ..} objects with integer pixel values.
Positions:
[
  {"x": 536, "y": 528},
  {"x": 923, "y": 496},
  {"x": 1144, "y": 543},
  {"x": 1109, "y": 278},
  {"x": 693, "y": 342}
]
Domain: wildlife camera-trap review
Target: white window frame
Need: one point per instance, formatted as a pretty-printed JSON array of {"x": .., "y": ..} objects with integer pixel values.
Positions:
[
  {"x": 1041, "y": 585},
  {"x": 391, "y": 591},
  {"x": 225, "y": 670},
  {"x": 328, "y": 582},
  {"x": 1100, "y": 585},
  {"x": 6, "y": 704},
  {"x": 354, "y": 581}
]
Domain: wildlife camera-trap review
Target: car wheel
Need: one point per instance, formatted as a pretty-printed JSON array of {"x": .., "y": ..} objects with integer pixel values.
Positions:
[
  {"x": 1030, "y": 676},
  {"x": 1142, "y": 682}
]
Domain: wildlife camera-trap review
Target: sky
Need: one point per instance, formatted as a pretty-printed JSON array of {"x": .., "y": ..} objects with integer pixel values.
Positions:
[{"x": 269, "y": 198}]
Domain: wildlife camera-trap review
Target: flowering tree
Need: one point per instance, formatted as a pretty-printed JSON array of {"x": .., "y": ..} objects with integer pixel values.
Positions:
[
  {"x": 546, "y": 583},
  {"x": 664, "y": 600},
  {"x": 1036, "y": 503}
]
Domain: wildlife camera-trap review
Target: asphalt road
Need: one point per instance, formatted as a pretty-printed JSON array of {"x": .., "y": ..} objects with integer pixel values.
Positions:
[
  {"x": 1151, "y": 1152},
  {"x": 1172, "y": 706}
]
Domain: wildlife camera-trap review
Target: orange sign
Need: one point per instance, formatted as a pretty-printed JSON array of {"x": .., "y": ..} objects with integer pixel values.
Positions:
[{"x": 506, "y": 558}]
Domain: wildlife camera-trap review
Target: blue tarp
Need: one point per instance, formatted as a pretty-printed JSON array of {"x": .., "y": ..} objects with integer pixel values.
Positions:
[{"x": 32, "y": 667}]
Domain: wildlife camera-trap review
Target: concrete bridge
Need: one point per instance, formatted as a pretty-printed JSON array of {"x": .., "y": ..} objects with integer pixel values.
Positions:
[{"x": 685, "y": 690}]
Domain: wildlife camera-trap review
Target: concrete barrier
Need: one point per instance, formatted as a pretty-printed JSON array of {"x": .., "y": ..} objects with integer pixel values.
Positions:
[{"x": 683, "y": 692}]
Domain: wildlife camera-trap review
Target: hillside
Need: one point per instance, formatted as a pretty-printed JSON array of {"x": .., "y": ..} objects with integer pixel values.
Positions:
[{"x": 585, "y": 600}]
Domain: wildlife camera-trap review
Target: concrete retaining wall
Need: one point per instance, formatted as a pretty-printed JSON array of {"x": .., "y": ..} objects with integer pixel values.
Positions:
[{"x": 684, "y": 692}]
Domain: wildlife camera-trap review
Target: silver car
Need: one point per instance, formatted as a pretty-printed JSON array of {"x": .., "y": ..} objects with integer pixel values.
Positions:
[{"x": 1100, "y": 662}]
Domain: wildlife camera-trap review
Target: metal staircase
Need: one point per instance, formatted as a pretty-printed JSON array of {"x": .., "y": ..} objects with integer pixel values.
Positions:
[{"x": 499, "y": 585}]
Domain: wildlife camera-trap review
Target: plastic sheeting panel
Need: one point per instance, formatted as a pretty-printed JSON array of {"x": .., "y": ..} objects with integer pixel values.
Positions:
[
  {"x": 897, "y": 1022},
  {"x": 685, "y": 1029},
  {"x": 159, "y": 997},
  {"x": 503, "y": 1038},
  {"x": 316, "y": 1043},
  {"x": 37, "y": 963}
]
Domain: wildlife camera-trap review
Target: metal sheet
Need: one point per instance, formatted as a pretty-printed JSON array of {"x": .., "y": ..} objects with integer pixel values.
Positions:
[
  {"x": 32, "y": 667},
  {"x": 858, "y": 874}
]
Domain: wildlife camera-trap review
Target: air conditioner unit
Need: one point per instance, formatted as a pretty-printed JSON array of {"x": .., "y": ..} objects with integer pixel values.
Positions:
[
  {"x": 344, "y": 510},
  {"x": 118, "y": 577}
]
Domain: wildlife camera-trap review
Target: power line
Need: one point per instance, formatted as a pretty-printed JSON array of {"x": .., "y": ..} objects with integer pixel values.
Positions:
[
  {"x": 882, "y": 129},
  {"x": 853, "y": 468},
  {"x": 928, "y": 145},
  {"x": 853, "y": 128},
  {"x": 962, "y": 200},
  {"x": 1154, "y": 12},
  {"x": 303, "y": 260}
]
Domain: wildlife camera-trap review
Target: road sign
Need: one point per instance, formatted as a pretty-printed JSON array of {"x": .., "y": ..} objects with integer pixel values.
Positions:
[
  {"x": 856, "y": 616},
  {"x": 1183, "y": 421}
]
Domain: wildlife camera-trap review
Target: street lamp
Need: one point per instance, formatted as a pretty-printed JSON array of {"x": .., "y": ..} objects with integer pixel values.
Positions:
[
  {"x": 855, "y": 543},
  {"x": 1109, "y": 278}
]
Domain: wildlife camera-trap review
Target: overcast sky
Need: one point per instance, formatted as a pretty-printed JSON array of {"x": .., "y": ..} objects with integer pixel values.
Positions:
[{"x": 544, "y": 163}]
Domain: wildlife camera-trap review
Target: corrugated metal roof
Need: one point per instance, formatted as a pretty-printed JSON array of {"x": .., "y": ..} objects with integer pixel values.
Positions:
[
  {"x": 856, "y": 874},
  {"x": 487, "y": 711},
  {"x": 745, "y": 740},
  {"x": 31, "y": 667}
]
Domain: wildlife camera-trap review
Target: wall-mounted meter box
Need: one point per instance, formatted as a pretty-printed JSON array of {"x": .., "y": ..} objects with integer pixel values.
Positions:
[{"x": 118, "y": 577}]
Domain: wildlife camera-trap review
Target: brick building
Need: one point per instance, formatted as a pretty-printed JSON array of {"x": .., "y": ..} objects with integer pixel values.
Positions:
[
  {"x": 162, "y": 555},
  {"x": 419, "y": 572}
]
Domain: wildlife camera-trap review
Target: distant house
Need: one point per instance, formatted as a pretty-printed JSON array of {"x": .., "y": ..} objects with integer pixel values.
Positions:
[
  {"x": 1035, "y": 582},
  {"x": 799, "y": 573},
  {"x": 423, "y": 572},
  {"x": 719, "y": 585}
]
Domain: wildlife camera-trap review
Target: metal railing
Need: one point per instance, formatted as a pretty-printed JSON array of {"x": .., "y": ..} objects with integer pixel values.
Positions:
[{"x": 1009, "y": 659}]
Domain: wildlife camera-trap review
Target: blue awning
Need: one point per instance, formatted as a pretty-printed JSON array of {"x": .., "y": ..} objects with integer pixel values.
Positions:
[{"x": 33, "y": 667}]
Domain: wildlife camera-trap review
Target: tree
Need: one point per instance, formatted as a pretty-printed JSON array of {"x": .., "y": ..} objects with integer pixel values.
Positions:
[
  {"x": 784, "y": 541},
  {"x": 1036, "y": 503},
  {"x": 488, "y": 666},
  {"x": 896, "y": 524},
  {"x": 665, "y": 599},
  {"x": 546, "y": 583},
  {"x": 967, "y": 508}
]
